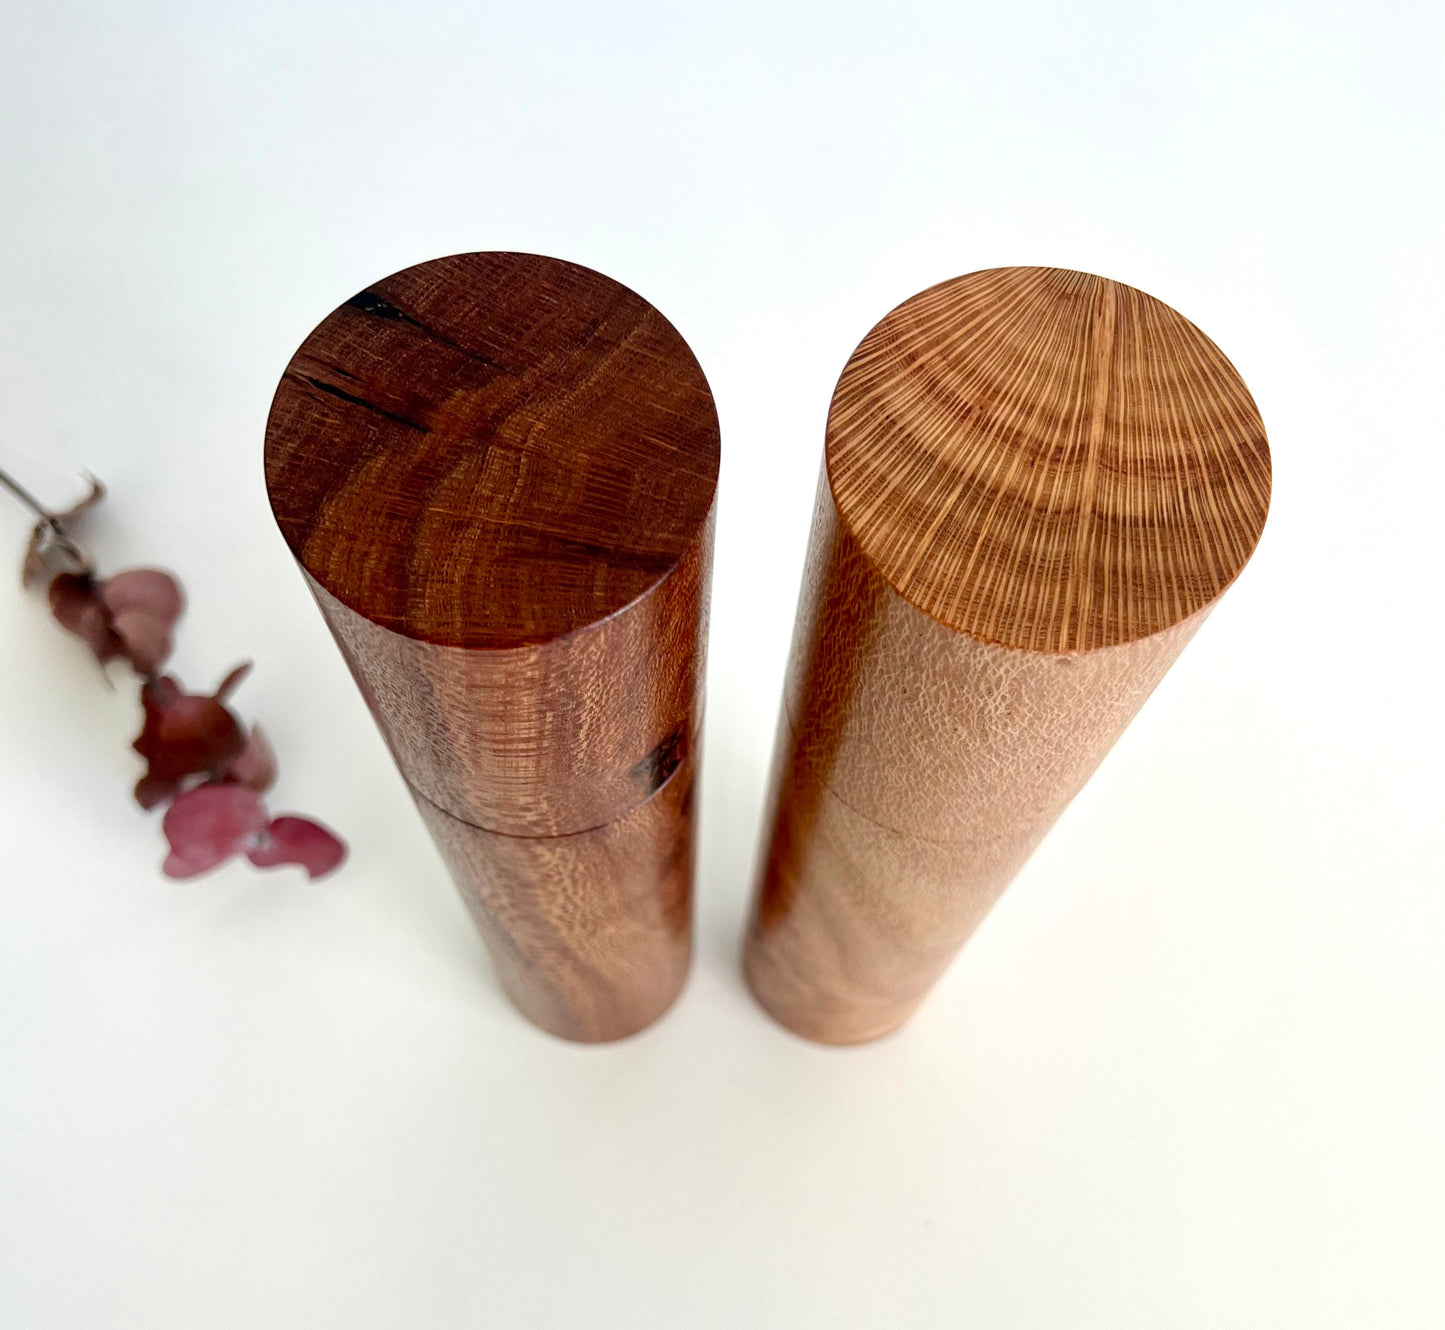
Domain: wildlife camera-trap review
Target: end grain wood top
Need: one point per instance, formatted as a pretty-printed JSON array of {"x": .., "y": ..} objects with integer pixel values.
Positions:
[
  {"x": 1047, "y": 460},
  {"x": 492, "y": 450}
]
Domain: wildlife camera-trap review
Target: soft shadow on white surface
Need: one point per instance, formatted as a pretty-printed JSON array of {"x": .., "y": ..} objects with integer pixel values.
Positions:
[{"x": 1187, "y": 1074}]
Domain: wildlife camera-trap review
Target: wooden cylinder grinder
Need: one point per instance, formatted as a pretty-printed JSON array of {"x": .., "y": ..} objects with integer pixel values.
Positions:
[
  {"x": 1036, "y": 484},
  {"x": 497, "y": 473}
]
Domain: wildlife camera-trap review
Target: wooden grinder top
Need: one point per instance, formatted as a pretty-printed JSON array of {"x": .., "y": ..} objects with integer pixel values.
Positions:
[
  {"x": 1047, "y": 460},
  {"x": 491, "y": 450},
  {"x": 497, "y": 471}
]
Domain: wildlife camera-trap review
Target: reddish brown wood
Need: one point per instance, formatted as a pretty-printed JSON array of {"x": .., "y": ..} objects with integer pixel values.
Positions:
[
  {"x": 1037, "y": 484},
  {"x": 590, "y": 933},
  {"x": 497, "y": 472}
]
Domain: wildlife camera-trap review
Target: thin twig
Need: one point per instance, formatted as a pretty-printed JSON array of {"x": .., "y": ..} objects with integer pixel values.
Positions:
[{"x": 26, "y": 497}]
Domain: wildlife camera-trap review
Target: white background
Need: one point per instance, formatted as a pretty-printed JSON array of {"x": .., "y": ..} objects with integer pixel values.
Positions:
[{"x": 1191, "y": 1072}]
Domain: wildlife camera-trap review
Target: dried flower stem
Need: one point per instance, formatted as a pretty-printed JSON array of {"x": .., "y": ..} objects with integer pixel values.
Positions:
[
  {"x": 24, "y": 495},
  {"x": 51, "y": 520},
  {"x": 199, "y": 760}
]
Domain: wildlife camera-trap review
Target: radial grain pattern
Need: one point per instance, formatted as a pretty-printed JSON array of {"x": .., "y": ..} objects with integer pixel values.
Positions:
[
  {"x": 492, "y": 450},
  {"x": 1047, "y": 460}
]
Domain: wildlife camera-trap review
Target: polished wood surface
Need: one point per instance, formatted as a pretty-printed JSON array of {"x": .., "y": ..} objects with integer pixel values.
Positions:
[
  {"x": 1018, "y": 528},
  {"x": 1047, "y": 459},
  {"x": 492, "y": 450},
  {"x": 591, "y": 934},
  {"x": 549, "y": 739},
  {"x": 497, "y": 473}
]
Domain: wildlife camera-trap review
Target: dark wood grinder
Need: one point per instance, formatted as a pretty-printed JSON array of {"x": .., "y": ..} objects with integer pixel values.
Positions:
[{"x": 497, "y": 473}]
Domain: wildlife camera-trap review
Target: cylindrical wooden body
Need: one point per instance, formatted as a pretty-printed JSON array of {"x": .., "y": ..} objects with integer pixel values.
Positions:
[
  {"x": 932, "y": 729},
  {"x": 497, "y": 473}
]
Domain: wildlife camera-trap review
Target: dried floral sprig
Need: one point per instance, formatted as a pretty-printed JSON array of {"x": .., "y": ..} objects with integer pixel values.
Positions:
[
  {"x": 50, "y": 549},
  {"x": 200, "y": 762}
]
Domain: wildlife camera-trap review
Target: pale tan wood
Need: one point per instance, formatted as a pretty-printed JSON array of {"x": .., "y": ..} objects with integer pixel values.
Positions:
[{"x": 1037, "y": 483}]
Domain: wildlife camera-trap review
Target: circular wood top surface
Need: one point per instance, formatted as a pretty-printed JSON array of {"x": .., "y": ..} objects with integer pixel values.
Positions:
[
  {"x": 491, "y": 450},
  {"x": 1047, "y": 460}
]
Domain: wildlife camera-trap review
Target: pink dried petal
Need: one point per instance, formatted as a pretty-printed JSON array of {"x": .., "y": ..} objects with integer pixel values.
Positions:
[
  {"x": 184, "y": 734},
  {"x": 233, "y": 681},
  {"x": 144, "y": 604},
  {"x": 147, "y": 590},
  {"x": 206, "y": 826},
  {"x": 76, "y": 605},
  {"x": 298, "y": 840},
  {"x": 255, "y": 765},
  {"x": 145, "y": 641},
  {"x": 195, "y": 734}
]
